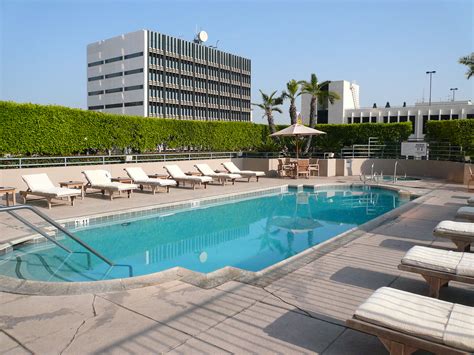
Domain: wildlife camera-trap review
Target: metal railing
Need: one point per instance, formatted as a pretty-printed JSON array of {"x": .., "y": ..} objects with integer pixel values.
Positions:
[
  {"x": 32, "y": 162},
  {"x": 10, "y": 210}
]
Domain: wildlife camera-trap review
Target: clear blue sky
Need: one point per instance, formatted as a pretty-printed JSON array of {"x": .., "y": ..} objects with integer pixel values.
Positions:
[{"x": 385, "y": 46}]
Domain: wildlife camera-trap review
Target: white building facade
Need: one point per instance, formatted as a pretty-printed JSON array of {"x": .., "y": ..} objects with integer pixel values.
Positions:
[
  {"x": 348, "y": 110},
  {"x": 150, "y": 74}
]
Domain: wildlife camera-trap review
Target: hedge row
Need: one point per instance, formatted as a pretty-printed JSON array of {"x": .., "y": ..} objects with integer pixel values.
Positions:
[
  {"x": 456, "y": 132},
  {"x": 27, "y": 129}
]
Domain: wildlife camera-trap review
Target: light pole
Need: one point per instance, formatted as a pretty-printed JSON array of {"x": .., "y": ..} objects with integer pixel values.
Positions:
[
  {"x": 454, "y": 91},
  {"x": 431, "y": 76}
]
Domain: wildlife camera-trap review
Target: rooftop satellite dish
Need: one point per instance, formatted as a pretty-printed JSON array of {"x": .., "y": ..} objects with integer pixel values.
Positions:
[{"x": 202, "y": 36}]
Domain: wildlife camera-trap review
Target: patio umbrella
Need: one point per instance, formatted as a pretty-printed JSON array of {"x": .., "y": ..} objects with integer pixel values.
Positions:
[{"x": 297, "y": 130}]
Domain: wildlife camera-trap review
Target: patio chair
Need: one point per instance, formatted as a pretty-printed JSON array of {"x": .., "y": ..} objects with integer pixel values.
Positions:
[
  {"x": 206, "y": 170},
  {"x": 40, "y": 185},
  {"x": 466, "y": 212},
  {"x": 101, "y": 180},
  {"x": 285, "y": 167},
  {"x": 460, "y": 233},
  {"x": 313, "y": 166},
  {"x": 405, "y": 322},
  {"x": 439, "y": 266},
  {"x": 233, "y": 169},
  {"x": 140, "y": 178},
  {"x": 180, "y": 177},
  {"x": 302, "y": 168}
]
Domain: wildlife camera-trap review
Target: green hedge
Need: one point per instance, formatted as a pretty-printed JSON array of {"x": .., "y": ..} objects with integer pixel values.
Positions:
[
  {"x": 55, "y": 130},
  {"x": 456, "y": 132}
]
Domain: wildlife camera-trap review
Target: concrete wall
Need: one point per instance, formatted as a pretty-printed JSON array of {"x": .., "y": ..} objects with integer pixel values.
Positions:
[
  {"x": 451, "y": 171},
  {"x": 12, "y": 177}
]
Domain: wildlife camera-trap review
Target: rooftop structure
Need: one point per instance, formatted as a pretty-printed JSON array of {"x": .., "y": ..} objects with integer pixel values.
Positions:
[{"x": 151, "y": 74}]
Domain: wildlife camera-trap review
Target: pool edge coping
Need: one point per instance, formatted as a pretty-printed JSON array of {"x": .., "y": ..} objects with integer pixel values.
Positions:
[{"x": 220, "y": 276}]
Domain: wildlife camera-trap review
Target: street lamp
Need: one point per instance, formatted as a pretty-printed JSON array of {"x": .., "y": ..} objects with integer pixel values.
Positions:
[
  {"x": 431, "y": 75},
  {"x": 454, "y": 91}
]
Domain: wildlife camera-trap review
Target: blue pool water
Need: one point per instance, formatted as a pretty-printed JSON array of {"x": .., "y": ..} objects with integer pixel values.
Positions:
[{"x": 250, "y": 234}]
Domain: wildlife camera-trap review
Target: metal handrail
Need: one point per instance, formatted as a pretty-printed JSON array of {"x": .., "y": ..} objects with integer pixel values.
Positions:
[{"x": 10, "y": 209}]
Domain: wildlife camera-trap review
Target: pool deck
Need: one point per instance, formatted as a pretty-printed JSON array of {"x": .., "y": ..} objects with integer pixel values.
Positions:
[{"x": 302, "y": 311}]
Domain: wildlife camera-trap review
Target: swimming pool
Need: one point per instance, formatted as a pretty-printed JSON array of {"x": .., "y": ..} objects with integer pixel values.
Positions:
[
  {"x": 401, "y": 178},
  {"x": 250, "y": 234}
]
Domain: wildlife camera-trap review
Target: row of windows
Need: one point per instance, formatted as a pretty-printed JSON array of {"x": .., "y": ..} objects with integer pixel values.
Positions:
[
  {"x": 173, "y": 94},
  {"x": 117, "y": 74},
  {"x": 156, "y": 109},
  {"x": 224, "y": 74},
  {"x": 111, "y": 91},
  {"x": 190, "y": 49},
  {"x": 115, "y": 59},
  {"x": 126, "y": 104}
]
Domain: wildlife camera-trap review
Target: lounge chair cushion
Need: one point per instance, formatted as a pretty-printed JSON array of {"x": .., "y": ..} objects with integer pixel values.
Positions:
[
  {"x": 466, "y": 265},
  {"x": 137, "y": 174},
  {"x": 450, "y": 228},
  {"x": 41, "y": 185},
  {"x": 38, "y": 182},
  {"x": 434, "y": 259},
  {"x": 177, "y": 174},
  {"x": 466, "y": 212},
  {"x": 420, "y": 316},
  {"x": 115, "y": 186},
  {"x": 140, "y": 177},
  {"x": 232, "y": 168},
  {"x": 459, "y": 331},
  {"x": 470, "y": 201},
  {"x": 406, "y": 312},
  {"x": 98, "y": 177},
  {"x": 449, "y": 261},
  {"x": 207, "y": 171}
]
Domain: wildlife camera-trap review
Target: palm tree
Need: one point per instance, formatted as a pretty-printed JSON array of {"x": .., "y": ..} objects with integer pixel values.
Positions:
[
  {"x": 315, "y": 89},
  {"x": 292, "y": 93},
  {"x": 468, "y": 61},
  {"x": 269, "y": 105}
]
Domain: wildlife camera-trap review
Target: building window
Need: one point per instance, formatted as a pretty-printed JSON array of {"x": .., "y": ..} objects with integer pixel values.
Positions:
[
  {"x": 136, "y": 103},
  {"x": 136, "y": 87},
  {"x": 374, "y": 119},
  {"x": 111, "y": 91},
  {"x": 94, "y": 78},
  {"x": 113, "y": 75},
  {"x": 94, "y": 93},
  {"x": 133, "y": 55},
  {"x": 365, "y": 119},
  {"x": 93, "y": 64},
  {"x": 385, "y": 119},
  {"x": 134, "y": 71},
  {"x": 470, "y": 115},
  {"x": 393, "y": 119},
  {"x": 99, "y": 107},
  {"x": 454, "y": 117},
  {"x": 114, "y": 105},
  {"x": 356, "y": 119},
  {"x": 445, "y": 117},
  {"x": 403, "y": 118},
  {"x": 111, "y": 60}
]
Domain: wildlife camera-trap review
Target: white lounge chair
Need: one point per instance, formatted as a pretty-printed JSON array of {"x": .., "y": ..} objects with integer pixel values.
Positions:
[
  {"x": 41, "y": 185},
  {"x": 206, "y": 170},
  {"x": 460, "y": 233},
  {"x": 466, "y": 212},
  {"x": 140, "y": 178},
  {"x": 101, "y": 180},
  {"x": 405, "y": 322},
  {"x": 233, "y": 169},
  {"x": 180, "y": 177},
  {"x": 439, "y": 266}
]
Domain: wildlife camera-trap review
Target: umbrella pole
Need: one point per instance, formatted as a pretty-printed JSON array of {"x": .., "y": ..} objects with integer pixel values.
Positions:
[{"x": 297, "y": 149}]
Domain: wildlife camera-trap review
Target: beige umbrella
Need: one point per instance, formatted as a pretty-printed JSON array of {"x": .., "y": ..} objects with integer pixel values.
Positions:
[{"x": 297, "y": 130}]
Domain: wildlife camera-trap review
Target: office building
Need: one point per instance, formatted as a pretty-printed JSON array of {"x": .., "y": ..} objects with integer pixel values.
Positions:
[{"x": 151, "y": 74}]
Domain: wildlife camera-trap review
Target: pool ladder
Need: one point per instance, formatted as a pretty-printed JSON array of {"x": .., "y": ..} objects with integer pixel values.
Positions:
[{"x": 10, "y": 210}]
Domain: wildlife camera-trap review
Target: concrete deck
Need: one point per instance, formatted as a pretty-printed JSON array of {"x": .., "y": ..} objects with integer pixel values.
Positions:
[{"x": 300, "y": 312}]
